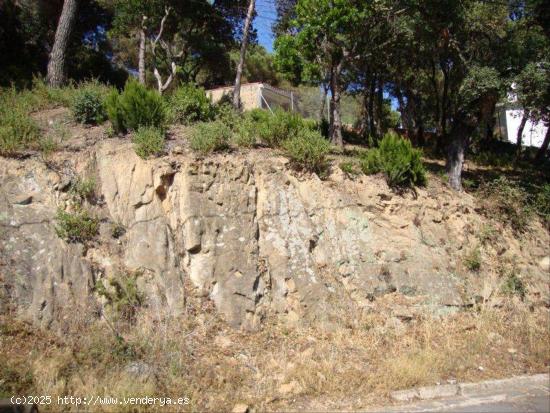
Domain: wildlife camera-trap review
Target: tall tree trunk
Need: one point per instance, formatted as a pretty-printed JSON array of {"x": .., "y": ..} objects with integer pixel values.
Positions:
[
  {"x": 542, "y": 150},
  {"x": 379, "y": 108},
  {"x": 520, "y": 133},
  {"x": 336, "y": 121},
  {"x": 455, "y": 152},
  {"x": 57, "y": 71},
  {"x": 141, "y": 53},
  {"x": 444, "y": 109},
  {"x": 372, "y": 125},
  {"x": 237, "y": 89}
]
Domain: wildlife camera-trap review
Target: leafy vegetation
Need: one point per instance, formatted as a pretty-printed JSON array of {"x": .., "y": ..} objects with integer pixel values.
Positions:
[
  {"x": 398, "y": 160},
  {"x": 506, "y": 201},
  {"x": 83, "y": 189},
  {"x": 122, "y": 294},
  {"x": 189, "y": 104},
  {"x": 210, "y": 137},
  {"x": 136, "y": 106},
  {"x": 17, "y": 130},
  {"x": 472, "y": 260},
  {"x": 274, "y": 129},
  {"x": 88, "y": 106},
  {"x": 308, "y": 149},
  {"x": 148, "y": 141},
  {"x": 78, "y": 226}
]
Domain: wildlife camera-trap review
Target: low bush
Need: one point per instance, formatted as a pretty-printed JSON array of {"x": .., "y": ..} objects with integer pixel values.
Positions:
[
  {"x": 308, "y": 149},
  {"x": 507, "y": 202},
  {"x": 210, "y": 137},
  {"x": 78, "y": 226},
  {"x": 472, "y": 260},
  {"x": 348, "y": 168},
  {"x": 122, "y": 295},
  {"x": 17, "y": 130},
  {"x": 136, "y": 106},
  {"x": 280, "y": 126},
  {"x": 224, "y": 112},
  {"x": 541, "y": 202},
  {"x": 83, "y": 189},
  {"x": 88, "y": 106},
  {"x": 398, "y": 160},
  {"x": 189, "y": 104},
  {"x": 148, "y": 141},
  {"x": 244, "y": 133}
]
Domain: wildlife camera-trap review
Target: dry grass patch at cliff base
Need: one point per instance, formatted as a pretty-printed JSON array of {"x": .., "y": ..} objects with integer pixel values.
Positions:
[{"x": 278, "y": 368}]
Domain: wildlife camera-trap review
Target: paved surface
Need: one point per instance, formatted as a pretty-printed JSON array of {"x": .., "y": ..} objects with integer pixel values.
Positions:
[{"x": 512, "y": 395}]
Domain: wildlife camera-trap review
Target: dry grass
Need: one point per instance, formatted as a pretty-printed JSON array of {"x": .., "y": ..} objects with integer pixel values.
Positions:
[{"x": 277, "y": 368}]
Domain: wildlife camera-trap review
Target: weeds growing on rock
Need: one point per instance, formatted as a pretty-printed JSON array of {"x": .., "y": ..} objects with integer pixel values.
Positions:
[
  {"x": 148, "y": 141},
  {"x": 308, "y": 150},
  {"x": 472, "y": 260},
  {"x": 77, "y": 226}
]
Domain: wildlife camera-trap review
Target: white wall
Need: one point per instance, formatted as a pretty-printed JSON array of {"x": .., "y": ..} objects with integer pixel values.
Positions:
[{"x": 533, "y": 133}]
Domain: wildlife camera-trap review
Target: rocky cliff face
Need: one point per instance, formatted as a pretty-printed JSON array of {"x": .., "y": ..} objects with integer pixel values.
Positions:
[{"x": 244, "y": 230}]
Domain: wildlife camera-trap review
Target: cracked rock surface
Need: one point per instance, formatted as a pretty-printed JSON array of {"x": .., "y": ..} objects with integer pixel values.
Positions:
[{"x": 255, "y": 237}]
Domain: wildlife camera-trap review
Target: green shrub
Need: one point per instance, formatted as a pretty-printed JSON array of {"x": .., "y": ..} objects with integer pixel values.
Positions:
[
  {"x": 148, "y": 141},
  {"x": 279, "y": 127},
  {"x": 225, "y": 113},
  {"x": 210, "y": 137},
  {"x": 76, "y": 227},
  {"x": 17, "y": 130},
  {"x": 513, "y": 284},
  {"x": 88, "y": 106},
  {"x": 189, "y": 104},
  {"x": 398, "y": 160},
  {"x": 122, "y": 295},
  {"x": 136, "y": 106},
  {"x": 244, "y": 133},
  {"x": 308, "y": 149},
  {"x": 83, "y": 189},
  {"x": 541, "y": 202},
  {"x": 348, "y": 168},
  {"x": 507, "y": 202},
  {"x": 472, "y": 260}
]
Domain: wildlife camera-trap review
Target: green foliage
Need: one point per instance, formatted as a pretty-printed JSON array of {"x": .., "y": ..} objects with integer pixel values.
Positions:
[
  {"x": 79, "y": 226},
  {"x": 308, "y": 149},
  {"x": 348, "y": 168},
  {"x": 506, "y": 201},
  {"x": 226, "y": 113},
  {"x": 136, "y": 106},
  {"x": 541, "y": 202},
  {"x": 244, "y": 133},
  {"x": 273, "y": 130},
  {"x": 83, "y": 189},
  {"x": 148, "y": 141},
  {"x": 398, "y": 160},
  {"x": 210, "y": 137},
  {"x": 472, "y": 260},
  {"x": 17, "y": 130},
  {"x": 189, "y": 104},
  {"x": 513, "y": 284},
  {"x": 122, "y": 295},
  {"x": 88, "y": 107}
]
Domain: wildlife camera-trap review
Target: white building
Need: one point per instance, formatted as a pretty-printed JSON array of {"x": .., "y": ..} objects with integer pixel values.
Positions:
[{"x": 508, "y": 122}]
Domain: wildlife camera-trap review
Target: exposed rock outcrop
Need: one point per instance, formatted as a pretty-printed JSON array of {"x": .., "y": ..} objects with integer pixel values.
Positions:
[{"x": 244, "y": 230}]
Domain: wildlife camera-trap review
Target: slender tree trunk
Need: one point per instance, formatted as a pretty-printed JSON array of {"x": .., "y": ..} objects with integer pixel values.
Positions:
[
  {"x": 57, "y": 71},
  {"x": 372, "y": 125},
  {"x": 520, "y": 133},
  {"x": 379, "y": 108},
  {"x": 455, "y": 153},
  {"x": 542, "y": 150},
  {"x": 141, "y": 54},
  {"x": 237, "y": 89},
  {"x": 335, "y": 90},
  {"x": 444, "y": 108}
]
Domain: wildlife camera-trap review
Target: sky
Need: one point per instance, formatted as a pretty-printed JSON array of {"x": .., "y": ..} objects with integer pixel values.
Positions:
[{"x": 266, "y": 15}]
